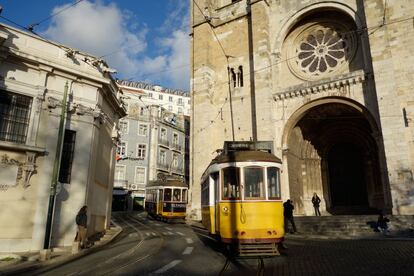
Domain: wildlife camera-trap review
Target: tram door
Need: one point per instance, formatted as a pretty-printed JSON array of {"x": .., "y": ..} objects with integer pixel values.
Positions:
[
  {"x": 216, "y": 188},
  {"x": 160, "y": 201}
]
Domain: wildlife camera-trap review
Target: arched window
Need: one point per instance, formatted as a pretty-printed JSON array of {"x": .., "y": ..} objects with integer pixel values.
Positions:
[
  {"x": 233, "y": 76},
  {"x": 240, "y": 76}
]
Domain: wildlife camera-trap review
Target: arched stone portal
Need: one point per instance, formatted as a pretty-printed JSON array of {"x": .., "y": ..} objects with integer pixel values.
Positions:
[{"x": 331, "y": 150}]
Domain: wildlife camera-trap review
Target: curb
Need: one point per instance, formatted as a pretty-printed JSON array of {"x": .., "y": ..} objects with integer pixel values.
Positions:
[{"x": 58, "y": 261}]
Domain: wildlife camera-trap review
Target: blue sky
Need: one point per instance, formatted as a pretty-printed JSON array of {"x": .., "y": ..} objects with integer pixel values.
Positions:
[{"x": 144, "y": 40}]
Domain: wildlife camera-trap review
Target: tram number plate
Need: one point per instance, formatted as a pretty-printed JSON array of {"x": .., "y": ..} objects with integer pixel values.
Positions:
[{"x": 178, "y": 205}]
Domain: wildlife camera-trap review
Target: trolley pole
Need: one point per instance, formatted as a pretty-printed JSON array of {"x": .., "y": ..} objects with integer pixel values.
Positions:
[{"x": 55, "y": 172}]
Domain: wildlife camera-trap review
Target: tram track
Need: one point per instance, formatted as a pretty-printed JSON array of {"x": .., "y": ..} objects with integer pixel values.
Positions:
[
  {"x": 125, "y": 254},
  {"x": 260, "y": 271},
  {"x": 143, "y": 239}
]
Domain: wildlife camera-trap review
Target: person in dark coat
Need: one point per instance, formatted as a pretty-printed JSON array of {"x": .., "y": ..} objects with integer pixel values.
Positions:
[
  {"x": 82, "y": 223},
  {"x": 288, "y": 215},
  {"x": 382, "y": 223},
  {"x": 316, "y": 202}
]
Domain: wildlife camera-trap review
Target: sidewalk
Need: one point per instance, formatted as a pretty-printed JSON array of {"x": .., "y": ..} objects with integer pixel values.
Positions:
[{"x": 21, "y": 262}]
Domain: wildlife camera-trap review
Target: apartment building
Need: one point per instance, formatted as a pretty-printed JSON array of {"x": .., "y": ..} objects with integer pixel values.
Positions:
[{"x": 153, "y": 137}]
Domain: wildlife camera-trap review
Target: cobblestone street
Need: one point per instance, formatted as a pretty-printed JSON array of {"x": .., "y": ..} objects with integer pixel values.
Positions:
[{"x": 337, "y": 257}]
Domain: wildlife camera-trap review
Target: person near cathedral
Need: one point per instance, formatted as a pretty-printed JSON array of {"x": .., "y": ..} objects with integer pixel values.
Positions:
[
  {"x": 316, "y": 201},
  {"x": 288, "y": 216},
  {"x": 382, "y": 223}
]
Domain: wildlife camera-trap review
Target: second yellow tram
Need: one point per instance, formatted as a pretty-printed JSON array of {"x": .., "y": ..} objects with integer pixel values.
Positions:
[
  {"x": 166, "y": 199},
  {"x": 241, "y": 198}
]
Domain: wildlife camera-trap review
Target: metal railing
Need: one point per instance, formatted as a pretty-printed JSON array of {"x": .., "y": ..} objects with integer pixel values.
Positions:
[
  {"x": 121, "y": 183},
  {"x": 176, "y": 147},
  {"x": 163, "y": 166},
  {"x": 177, "y": 170},
  {"x": 163, "y": 142}
]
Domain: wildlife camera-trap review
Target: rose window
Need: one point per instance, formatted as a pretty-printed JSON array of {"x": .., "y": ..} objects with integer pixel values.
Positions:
[{"x": 320, "y": 50}]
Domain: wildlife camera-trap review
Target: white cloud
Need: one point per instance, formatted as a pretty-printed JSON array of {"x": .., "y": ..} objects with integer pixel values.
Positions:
[
  {"x": 99, "y": 30},
  {"x": 103, "y": 29},
  {"x": 178, "y": 60}
]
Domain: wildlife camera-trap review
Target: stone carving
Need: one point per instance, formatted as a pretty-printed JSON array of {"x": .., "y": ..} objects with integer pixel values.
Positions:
[
  {"x": 16, "y": 172},
  {"x": 9, "y": 172},
  {"x": 52, "y": 102},
  {"x": 28, "y": 168}
]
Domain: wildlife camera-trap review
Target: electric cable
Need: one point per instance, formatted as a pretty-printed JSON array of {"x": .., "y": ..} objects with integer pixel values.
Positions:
[{"x": 31, "y": 26}]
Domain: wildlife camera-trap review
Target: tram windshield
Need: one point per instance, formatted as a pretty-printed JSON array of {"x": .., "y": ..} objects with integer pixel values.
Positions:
[
  {"x": 273, "y": 185},
  {"x": 167, "y": 194},
  {"x": 231, "y": 183},
  {"x": 253, "y": 183},
  {"x": 177, "y": 195}
]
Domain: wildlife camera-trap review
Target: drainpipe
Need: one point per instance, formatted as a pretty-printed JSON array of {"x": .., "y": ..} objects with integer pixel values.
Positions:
[
  {"x": 251, "y": 71},
  {"x": 55, "y": 173}
]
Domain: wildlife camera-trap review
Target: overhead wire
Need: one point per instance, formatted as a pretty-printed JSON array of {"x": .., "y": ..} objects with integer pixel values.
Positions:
[{"x": 31, "y": 26}]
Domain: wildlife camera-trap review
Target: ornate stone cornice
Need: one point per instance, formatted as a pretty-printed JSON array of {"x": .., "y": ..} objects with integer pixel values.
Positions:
[{"x": 334, "y": 83}]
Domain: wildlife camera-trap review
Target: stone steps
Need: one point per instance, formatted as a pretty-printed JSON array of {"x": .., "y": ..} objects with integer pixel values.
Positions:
[{"x": 346, "y": 225}]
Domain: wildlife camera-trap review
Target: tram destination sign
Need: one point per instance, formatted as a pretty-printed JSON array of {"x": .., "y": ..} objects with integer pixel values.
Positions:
[{"x": 248, "y": 145}]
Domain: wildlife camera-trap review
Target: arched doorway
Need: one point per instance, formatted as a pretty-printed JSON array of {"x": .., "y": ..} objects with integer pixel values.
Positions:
[
  {"x": 331, "y": 150},
  {"x": 347, "y": 180}
]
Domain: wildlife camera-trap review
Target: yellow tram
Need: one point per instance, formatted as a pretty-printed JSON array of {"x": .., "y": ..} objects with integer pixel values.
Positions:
[
  {"x": 241, "y": 199},
  {"x": 166, "y": 199}
]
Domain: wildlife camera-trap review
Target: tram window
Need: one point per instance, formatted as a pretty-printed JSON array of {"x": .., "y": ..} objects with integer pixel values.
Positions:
[
  {"x": 185, "y": 195},
  {"x": 177, "y": 195},
  {"x": 253, "y": 183},
  {"x": 167, "y": 195},
  {"x": 273, "y": 184},
  {"x": 205, "y": 193},
  {"x": 231, "y": 183}
]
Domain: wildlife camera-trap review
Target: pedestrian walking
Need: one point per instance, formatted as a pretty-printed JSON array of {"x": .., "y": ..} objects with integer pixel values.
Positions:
[
  {"x": 382, "y": 223},
  {"x": 316, "y": 202},
  {"x": 81, "y": 222},
  {"x": 288, "y": 215}
]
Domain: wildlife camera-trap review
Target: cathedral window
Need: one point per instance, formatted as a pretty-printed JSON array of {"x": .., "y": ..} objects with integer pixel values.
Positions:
[
  {"x": 237, "y": 77},
  {"x": 240, "y": 76},
  {"x": 318, "y": 49}
]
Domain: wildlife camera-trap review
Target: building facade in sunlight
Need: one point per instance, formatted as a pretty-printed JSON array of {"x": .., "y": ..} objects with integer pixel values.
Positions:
[
  {"x": 329, "y": 82},
  {"x": 154, "y": 137},
  {"x": 33, "y": 74}
]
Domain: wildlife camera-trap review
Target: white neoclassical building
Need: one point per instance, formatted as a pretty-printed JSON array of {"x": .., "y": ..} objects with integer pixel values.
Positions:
[{"x": 33, "y": 75}]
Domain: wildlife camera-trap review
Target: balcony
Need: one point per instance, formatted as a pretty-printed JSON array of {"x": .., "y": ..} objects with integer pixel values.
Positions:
[
  {"x": 163, "y": 166},
  {"x": 177, "y": 170},
  {"x": 163, "y": 142},
  {"x": 121, "y": 183},
  {"x": 176, "y": 147}
]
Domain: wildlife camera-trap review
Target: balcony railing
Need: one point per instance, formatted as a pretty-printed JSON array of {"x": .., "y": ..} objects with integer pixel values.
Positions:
[
  {"x": 163, "y": 166},
  {"x": 121, "y": 183},
  {"x": 177, "y": 170},
  {"x": 163, "y": 142},
  {"x": 176, "y": 147}
]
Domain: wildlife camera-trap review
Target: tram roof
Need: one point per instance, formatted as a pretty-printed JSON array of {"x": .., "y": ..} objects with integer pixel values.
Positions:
[{"x": 245, "y": 156}]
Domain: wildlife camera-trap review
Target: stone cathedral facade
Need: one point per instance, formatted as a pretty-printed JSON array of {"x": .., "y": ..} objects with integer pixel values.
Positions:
[{"x": 329, "y": 82}]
